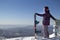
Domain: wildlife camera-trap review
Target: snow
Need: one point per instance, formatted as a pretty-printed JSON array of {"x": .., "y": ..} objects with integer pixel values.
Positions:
[
  {"x": 51, "y": 37},
  {"x": 22, "y": 38}
]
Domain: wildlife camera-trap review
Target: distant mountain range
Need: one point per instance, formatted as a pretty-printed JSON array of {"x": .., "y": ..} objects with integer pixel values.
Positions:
[{"x": 20, "y": 31}]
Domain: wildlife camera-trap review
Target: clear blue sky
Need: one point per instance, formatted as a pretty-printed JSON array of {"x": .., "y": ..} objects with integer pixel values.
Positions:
[{"x": 22, "y": 11}]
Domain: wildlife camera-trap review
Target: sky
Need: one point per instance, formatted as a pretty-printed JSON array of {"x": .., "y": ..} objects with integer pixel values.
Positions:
[{"x": 21, "y": 12}]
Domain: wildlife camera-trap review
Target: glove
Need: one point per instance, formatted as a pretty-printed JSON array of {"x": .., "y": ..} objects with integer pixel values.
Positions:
[{"x": 36, "y": 13}]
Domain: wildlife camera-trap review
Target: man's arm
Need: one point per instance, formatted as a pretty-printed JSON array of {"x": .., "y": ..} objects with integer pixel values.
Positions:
[
  {"x": 39, "y": 14},
  {"x": 52, "y": 17}
]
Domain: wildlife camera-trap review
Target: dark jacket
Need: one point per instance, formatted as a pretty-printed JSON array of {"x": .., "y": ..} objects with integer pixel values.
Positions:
[{"x": 46, "y": 18}]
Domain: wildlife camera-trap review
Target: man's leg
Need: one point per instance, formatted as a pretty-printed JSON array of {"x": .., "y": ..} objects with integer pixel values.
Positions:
[{"x": 45, "y": 29}]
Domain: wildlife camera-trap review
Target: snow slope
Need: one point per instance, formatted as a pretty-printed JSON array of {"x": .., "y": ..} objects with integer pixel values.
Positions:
[{"x": 52, "y": 37}]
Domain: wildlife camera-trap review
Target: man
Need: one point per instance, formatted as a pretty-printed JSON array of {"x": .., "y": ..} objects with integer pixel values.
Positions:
[{"x": 46, "y": 20}]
